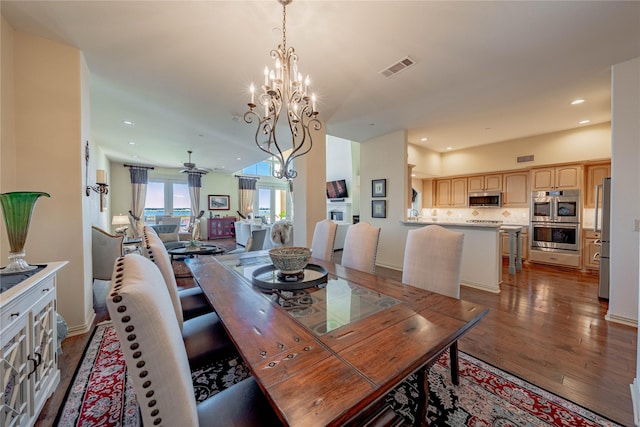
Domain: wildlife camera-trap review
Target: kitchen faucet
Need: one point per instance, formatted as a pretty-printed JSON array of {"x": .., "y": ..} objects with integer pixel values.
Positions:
[{"x": 414, "y": 213}]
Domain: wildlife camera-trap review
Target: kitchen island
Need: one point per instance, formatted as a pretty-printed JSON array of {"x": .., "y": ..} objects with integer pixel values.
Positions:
[{"x": 481, "y": 254}]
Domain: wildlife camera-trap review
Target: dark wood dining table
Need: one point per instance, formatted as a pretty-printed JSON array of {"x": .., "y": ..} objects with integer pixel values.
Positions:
[{"x": 328, "y": 355}]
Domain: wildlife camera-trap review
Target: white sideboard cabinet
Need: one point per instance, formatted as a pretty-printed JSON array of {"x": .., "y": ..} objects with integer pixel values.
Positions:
[{"x": 29, "y": 368}]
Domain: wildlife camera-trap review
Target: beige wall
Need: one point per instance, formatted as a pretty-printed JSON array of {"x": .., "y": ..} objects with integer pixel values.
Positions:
[
  {"x": 428, "y": 163},
  {"x": 42, "y": 109},
  {"x": 386, "y": 157}
]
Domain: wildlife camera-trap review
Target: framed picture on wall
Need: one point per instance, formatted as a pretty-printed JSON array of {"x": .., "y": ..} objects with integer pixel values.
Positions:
[
  {"x": 379, "y": 188},
  {"x": 378, "y": 208},
  {"x": 218, "y": 202}
]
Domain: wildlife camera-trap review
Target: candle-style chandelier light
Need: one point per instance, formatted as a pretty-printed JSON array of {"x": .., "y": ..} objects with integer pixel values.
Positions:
[{"x": 284, "y": 91}]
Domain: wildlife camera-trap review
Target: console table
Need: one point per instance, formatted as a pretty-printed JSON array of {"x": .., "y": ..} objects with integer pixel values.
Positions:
[
  {"x": 29, "y": 368},
  {"x": 221, "y": 228}
]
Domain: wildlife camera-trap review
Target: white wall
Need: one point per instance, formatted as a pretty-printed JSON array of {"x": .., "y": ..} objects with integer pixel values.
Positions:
[
  {"x": 386, "y": 157},
  {"x": 625, "y": 192}
]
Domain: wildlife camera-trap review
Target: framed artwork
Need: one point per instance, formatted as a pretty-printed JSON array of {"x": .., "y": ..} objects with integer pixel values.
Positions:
[
  {"x": 379, "y": 188},
  {"x": 218, "y": 202},
  {"x": 378, "y": 208}
]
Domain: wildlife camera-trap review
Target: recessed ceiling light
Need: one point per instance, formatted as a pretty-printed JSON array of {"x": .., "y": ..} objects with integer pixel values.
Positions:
[
  {"x": 238, "y": 158},
  {"x": 449, "y": 148},
  {"x": 132, "y": 143},
  {"x": 584, "y": 122},
  {"x": 128, "y": 122},
  {"x": 135, "y": 156},
  {"x": 423, "y": 139},
  {"x": 413, "y": 174},
  {"x": 577, "y": 101}
]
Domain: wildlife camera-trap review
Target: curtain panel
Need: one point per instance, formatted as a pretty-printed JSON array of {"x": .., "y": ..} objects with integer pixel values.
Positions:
[
  {"x": 138, "y": 197},
  {"x": 246, "y": 193},
  {"x": 195, "y": 183}
]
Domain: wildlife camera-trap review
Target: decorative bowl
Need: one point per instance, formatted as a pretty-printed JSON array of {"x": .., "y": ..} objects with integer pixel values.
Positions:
[{"x": 290, "y": 259}]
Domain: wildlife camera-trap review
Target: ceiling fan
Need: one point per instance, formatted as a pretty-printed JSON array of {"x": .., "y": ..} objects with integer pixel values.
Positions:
[{"x": 190, "y": 167}]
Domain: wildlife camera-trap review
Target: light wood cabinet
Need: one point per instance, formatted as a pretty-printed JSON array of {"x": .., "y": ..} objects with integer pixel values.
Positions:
[
  {"x": 524, "y": 244},
  {"x": 484, "y": 183},
  {"x": 556, "y": 178},
  {"x": 591, "y": 249},
  {"x": 515, "y": 190},
  {"x": 28, "y": 341},
  {"x": 595, "y": 173},
  {"x": 451, "y": 193}
]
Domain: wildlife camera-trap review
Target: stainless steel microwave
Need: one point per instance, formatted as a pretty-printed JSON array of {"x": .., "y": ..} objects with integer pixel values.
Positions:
[{"x": 485, "y": 200}]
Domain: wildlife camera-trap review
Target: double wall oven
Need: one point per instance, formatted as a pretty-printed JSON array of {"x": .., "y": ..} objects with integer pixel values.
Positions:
[{"x": 555, "y": 220}]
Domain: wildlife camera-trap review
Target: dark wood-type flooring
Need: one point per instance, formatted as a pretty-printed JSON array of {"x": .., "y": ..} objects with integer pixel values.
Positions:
[{"x": 546, "y": 326}]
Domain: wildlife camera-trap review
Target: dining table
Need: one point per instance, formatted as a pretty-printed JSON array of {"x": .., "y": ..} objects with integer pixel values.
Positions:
[{"x": 327, "y": 349}]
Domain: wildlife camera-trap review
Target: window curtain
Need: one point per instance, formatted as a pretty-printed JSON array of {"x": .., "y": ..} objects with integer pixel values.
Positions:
[
  {"x": 138, "y": 198},
  {"x": 246, "y": 193},
  {"x": 195, "y": 183}
]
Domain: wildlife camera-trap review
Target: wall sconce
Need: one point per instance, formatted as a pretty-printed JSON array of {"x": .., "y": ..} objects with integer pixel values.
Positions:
[{"x": 101, "y": 186}]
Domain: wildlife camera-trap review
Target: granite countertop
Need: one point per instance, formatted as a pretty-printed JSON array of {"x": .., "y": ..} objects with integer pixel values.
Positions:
[{"x": 452, "y": 223}]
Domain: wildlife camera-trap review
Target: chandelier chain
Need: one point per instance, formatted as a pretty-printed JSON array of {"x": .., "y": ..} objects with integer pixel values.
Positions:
[{"x": 284, "y": 26}]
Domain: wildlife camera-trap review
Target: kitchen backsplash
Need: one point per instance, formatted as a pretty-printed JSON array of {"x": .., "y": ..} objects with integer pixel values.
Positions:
[{"x": 518, "y": 216}]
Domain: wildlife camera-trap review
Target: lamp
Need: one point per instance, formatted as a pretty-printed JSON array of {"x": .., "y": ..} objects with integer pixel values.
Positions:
[
  {"x": 285, "y": 89},
  {"x": 122, "y": 221}
]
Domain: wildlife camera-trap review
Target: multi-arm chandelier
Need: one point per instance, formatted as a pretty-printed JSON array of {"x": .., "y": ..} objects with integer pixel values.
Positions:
[{"x": 284, "y": 91}]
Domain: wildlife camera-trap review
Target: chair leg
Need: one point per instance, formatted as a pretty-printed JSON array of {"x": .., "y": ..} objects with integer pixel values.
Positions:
[{"x": 453, "y": 361}]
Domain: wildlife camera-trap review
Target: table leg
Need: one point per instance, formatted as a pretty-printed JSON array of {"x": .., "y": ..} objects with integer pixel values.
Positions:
[
  {"x": 423, "y": 402},
  {"x": 512, "y": 264},
  {"x": 518, "y": 254}
]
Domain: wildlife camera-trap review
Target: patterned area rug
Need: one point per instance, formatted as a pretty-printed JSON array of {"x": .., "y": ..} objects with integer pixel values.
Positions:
[{"x": 101, "y": 393}]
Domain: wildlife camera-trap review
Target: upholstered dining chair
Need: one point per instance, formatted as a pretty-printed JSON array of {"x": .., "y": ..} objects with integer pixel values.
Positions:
[
  {"x": 255, "y": 242},
  {"x": 204, "y": 336},
  {"x": 324, "y": 236},
  {"x": 105, "y": 249},
  {"x": 156, "y": 358},
  {"x": 432, "y": 261},
  {"x": 361, "y": 247}
]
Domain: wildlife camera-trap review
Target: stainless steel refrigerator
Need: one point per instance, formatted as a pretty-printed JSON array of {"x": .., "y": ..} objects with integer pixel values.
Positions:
[{"x": 604, "y": 226}]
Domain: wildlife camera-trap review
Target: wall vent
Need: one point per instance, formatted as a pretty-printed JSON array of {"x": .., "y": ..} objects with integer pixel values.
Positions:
[
  {"x": 523, "y": 159},
  {"x": 394, "y": 69}
]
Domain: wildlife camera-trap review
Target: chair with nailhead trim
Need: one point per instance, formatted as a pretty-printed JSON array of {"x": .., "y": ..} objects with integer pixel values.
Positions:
[
  {"x": 192, "y": 301},
  {"x": 360, "y": 247},
  {"x": 324, "y": 237},
  {"x": 157, "y": 361},
  {"x": 204, "y": 336},
  {"x": 433, "y": 261}
]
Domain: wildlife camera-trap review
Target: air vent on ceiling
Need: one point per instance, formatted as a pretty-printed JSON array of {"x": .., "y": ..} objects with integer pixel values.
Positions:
[
  {"x": 523, "y": 159},
  {"x": 394, "y": 69}
]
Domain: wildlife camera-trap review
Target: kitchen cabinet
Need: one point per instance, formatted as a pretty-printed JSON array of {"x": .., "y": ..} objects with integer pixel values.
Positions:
[
  {"x": 556, "y": 178},
  {"x": 28, "y": 341},
  {"x": 484, "y": 183},
  {"x": 595, "y": 173},
  {"x": 451, "y": 193},
  {"x": 221, "y": 228},
  {"x": 591, "y": 249},
  {"x": 515, "y": 192},
  {"x": 524, "y": 244}
]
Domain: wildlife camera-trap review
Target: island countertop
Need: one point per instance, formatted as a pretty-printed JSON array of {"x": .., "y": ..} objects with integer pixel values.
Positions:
[{"x": 453, "y": 224}]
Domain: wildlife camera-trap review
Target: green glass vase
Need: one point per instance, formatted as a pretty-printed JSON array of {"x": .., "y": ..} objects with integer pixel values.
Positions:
[{"x": 17, "y": 208}]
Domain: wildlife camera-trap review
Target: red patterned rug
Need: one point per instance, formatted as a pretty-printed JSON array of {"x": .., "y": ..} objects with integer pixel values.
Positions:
[{"x": 101, "y": 393}]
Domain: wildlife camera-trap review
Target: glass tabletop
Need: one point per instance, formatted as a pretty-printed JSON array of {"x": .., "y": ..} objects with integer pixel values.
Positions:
[{"x": 321, "y": 308}]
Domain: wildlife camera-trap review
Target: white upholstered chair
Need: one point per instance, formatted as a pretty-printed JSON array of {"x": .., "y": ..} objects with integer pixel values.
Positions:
[
  {"x": 157, "y": 361},
  {"x": 361, "y": 247},
  {"x": 204, "y": 336},
  {"x": 324, "y": 237},
  {"x": 105, "y": 249},
  {"x": 432, "y": 261},
  {"x": 255, "y": 242}
]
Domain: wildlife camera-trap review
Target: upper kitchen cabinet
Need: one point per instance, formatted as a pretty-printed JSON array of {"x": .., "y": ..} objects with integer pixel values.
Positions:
[
  {"x": 556, "y": 178},
  {"x": 515, "y": 190},
  {"x": 484, "y": 183},
  {"x": 451, "y": 193},
  {"x": 595, "y": 173}
]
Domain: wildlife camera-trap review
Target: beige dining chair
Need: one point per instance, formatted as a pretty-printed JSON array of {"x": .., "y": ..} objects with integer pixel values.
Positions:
[
  {"x": 105, "y": 249},
  {"x": 324, "y": 237},
  {"x": 432, "y": 261},
  {"x": 361, "y": 247},
  {"x": 204, "y": 336},
  {"x": 157, "y": 360}
]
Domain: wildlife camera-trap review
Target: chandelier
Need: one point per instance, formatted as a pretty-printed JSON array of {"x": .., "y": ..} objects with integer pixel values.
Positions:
[{"x": 284, "y": 94}]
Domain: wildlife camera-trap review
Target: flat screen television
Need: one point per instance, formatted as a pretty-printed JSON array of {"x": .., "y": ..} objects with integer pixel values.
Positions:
[{"x": 337, "y": 189}]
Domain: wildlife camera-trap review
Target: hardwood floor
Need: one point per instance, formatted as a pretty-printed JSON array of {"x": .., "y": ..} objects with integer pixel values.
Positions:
[{"x": 546, "y": 326}]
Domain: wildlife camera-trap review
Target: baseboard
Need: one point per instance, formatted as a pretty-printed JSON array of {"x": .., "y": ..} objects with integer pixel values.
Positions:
[
  {"x": 635, "y": 400},
  {"x": 481, "y": 287},
  {"x": 622, "y": 320},
  {"x": 84, "y": 328}
]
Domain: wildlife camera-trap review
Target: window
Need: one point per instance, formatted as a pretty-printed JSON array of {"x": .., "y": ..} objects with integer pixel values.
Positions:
[
  {"x": 264, "y": 168},
  {"x": 167, "y": 197},
  {"x": 272, "y": 202}
]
